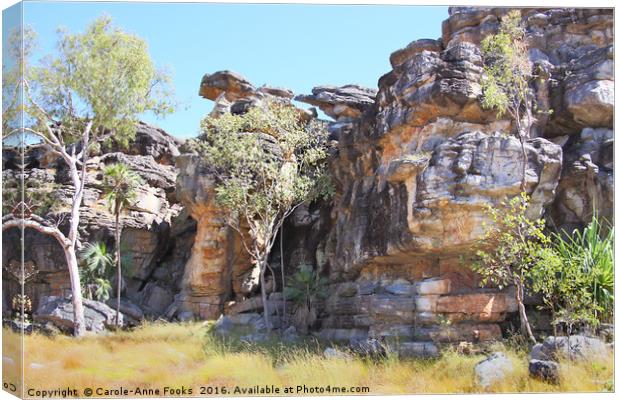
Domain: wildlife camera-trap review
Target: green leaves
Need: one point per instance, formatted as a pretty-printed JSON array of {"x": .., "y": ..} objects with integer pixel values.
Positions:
[
  {"x": 511, "y": 246},
  {"x": 120, "y": 184},
  {"x": 96, "y": 261},
  {"x": 574, "y": 273},
  {"x": 305, "y": 286},
  {"x": 103, "y": 75},
  {"x": 506, "y": 71},
  {"x": 588, "y": 255},
  {"x": 266, "y": 162}
]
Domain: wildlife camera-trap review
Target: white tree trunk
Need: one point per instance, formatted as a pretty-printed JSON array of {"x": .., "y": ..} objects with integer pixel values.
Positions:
[
  {"x": 37, "y": 223},
  {"x": 76, "y": 290}
]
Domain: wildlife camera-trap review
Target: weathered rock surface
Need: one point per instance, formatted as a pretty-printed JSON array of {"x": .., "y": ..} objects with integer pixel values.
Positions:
[
  {"x": 416, "y": 172},
  {"x": 157, "y": 234},
  {"x": 548, "y": 371},
  {"x": 418, "y": 350},
  {"x": 575, "y": 347},
  {"x": 341, "y": 103},
  {"x": 151, "y": 141},
  {"x": 218, "y": 266},
  {"x": 493, "y": 370},
  {"x": 587, "y": 182},
  {"x": 233, "y": 93},
  {"x": 418, "y": 162},
  {"x": 59, "y": 311}
]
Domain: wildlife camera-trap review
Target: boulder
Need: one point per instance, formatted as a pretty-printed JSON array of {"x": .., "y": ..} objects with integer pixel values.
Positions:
[
  {"x": 228, "y": 83},
  {"x": 59, "y": 311},
  {"x": 548, "y": 371},
  {"x": 249, "y": 327},
  {"x": 129, "y": 309},
  {"x": 592, "y": 103},
  {"x": 574, "y": 348},
  {"x": 332, "y": 353},
  {"x": 493, "y": 369},
  {"x": 343, "y": 102}
]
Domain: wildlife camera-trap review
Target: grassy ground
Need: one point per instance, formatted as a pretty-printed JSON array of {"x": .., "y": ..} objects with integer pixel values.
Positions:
[{"x": 175, "y": 355}]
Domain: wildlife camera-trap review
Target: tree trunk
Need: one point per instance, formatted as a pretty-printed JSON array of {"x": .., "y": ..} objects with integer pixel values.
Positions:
[
  {"x": 524, "y": 167},
  {"x": 119, "y": 276},
  {"x": 76, "y": 290},
  {"x": 263, "y": 292},
  {"x": 282, "y": 273},
  {"x": 70, "y": 251},
  {"x": 525, "y": 324},
  {"x": 521, "y": 136}
]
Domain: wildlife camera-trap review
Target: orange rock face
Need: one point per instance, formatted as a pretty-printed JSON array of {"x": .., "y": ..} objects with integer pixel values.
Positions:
[
  {"x": 218, "y": 264},
  {"x": 477, "y": 303}
]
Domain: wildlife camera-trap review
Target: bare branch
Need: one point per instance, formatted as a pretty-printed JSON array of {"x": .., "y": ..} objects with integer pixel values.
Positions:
[{"x": 34, "y": 223}]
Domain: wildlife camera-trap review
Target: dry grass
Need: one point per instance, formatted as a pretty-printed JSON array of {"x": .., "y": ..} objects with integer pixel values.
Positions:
[{"x": 158, "y": 355}]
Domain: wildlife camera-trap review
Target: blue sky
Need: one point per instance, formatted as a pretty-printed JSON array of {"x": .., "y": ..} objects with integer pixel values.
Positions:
[{"x": 293, "y": 46}]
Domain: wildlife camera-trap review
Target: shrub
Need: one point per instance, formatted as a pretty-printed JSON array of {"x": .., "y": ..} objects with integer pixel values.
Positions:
[
  {"x": 305, "y": 288},
  {"x": 509, "y": 250},
  {"x": 96, "y": 261},
  {"x": 587, "y": 268}
]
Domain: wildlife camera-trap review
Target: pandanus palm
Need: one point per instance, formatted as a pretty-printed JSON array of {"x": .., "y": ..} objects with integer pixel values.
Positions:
[{"x": 120, "y": 186}]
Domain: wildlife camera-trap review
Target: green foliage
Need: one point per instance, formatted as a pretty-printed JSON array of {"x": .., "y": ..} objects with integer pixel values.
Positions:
[
  {"x": 267, "y": 161},
  {"x": 507, "y": 71},
  {"x": 306, "y": 286},
  {"x": 120, "y": 184},
  {"x": 96, "y": 261},
  {"x": 103, "y": 75},
  {"x": 574, "y": 274},
  {"x": 584, "y": 285},
  {"x": 565, "y": 291},
  {"x": 511, "y": 246}
]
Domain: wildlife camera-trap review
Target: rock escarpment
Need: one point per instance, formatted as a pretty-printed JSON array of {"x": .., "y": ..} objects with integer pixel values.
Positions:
[
  {"x": 417, "y": 170},
  {"x": 157, "y": 233},
  {"x": 419, "y": 161}
]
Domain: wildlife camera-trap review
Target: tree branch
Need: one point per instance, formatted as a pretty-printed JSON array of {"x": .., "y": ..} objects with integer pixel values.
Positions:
[{"x": 10, "y": 221}]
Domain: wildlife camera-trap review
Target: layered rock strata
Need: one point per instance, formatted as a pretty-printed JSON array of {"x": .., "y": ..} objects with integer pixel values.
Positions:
[
  {"x": 157, "y": 234},
  {"x": 417, "y": 170}
]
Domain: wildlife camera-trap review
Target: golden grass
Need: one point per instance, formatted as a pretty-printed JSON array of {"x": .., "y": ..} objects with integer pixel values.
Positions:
[{"x": 163, "y": 354}]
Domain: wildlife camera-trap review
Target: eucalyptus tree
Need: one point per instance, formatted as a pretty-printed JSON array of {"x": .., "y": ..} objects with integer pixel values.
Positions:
[
  {"x": 91, "y": 89},
  {"x": 266, "y": 162}
]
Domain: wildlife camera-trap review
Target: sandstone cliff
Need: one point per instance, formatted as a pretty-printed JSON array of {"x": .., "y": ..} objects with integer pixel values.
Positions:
[
  {"x": 157, "y": 234},
  {"x": 418, "y": 162}
]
